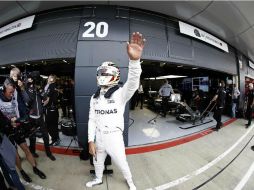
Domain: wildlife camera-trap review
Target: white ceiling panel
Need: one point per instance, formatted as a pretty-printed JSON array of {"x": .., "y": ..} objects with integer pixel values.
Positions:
[
  {"x": 9, "y": 10},
  {"x": 246, "y": 8},
  {"x": 179, "y": 9},
  {"x": 222, "y": 18},
  {"x": 37, "y": 6},
  {"x": 229, "y": 20},
  {"x": 248, "y": 36}
]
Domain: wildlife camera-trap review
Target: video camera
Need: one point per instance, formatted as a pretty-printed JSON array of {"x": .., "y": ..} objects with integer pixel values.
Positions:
[
  {"x": 34, "y": 75},
  {"x": 24, "y": 129}
]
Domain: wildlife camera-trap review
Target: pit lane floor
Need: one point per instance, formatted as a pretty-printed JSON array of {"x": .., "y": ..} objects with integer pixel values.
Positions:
[{"x": 220, "y": 160}]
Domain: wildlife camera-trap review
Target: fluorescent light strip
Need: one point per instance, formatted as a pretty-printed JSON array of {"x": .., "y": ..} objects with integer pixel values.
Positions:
[{"x": 165, "y": 77}]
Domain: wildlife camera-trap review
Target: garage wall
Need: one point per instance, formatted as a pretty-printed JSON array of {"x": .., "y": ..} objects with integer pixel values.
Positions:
[
  {"x": 53, "y": 35},
  {"x": 62, "y": 34},
  {"x": 166, "y": 43},
  {"x": 91, "y": 52}
]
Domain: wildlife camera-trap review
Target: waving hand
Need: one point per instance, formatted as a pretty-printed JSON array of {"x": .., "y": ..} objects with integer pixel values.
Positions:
[{"x": 135, "y": 46}]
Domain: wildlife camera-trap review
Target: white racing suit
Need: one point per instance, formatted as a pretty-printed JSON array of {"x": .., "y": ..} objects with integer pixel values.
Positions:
[{"x": 106, "y": 123}]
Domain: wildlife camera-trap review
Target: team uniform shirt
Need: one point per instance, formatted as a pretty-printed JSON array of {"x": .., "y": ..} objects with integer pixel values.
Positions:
[
  {"x": 250, "y": 95},
  {"x": 107, "y": 114},
  {"x": 166, "y": 90},
  {"x": 221, "y": 97},
  {"x": 9, "y": 108},
  {"x": 140, "y": 89}
]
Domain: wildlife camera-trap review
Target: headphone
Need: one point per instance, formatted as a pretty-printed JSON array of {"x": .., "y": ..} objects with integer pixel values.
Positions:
[{"x": 8, "y": 82}]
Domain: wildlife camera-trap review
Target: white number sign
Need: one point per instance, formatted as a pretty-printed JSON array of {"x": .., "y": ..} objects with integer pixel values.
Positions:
[{"x": 101, "y": 30}]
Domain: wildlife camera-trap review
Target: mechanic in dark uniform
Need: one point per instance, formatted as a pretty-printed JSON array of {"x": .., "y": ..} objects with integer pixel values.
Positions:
[
  {"x": 51, "y": 113},
  {"x": 36, "y": 116},
  {"x": 250, "y": 103},
  {"x": 219, "y": 98}
]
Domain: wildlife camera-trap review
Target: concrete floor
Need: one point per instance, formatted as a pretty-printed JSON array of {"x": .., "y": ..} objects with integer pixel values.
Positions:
[
  {"x": 142, "y": 131},
  {"x": 182, "y": 167}
]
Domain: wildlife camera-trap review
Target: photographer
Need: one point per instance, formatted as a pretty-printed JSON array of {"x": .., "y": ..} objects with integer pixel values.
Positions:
[
  {"x": 20, "y": 95},
  {"x": 17, "y": 101},
  {"x": 51, "y": 110},
  {"x": 36, "y": 114}
]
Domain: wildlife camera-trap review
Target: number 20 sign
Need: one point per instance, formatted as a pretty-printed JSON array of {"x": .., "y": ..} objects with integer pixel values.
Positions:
[{"x": 93, "y": 30}]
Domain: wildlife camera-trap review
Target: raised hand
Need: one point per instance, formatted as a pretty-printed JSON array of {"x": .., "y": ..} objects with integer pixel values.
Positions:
[{"x": 135, "y": 46}]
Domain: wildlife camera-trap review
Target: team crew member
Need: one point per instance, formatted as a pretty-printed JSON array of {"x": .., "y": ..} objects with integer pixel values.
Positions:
[
  {"x": 107, "y": 105},
  {"x": 10, "y": 110},
  {"x": 250, "y": 104},
  {"x": 165, "y": 92},
  {"x": 51, "y": 114},
  {"x": 220, "y": 104},
  {"x": 37, "y": 118}
]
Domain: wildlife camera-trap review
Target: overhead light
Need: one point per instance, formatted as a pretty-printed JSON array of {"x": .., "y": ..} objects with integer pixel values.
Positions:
[
  {"x": 162, "y": 64},
  {"x": 170, "y": 77},
  {"x": 179, "y": 66},
  {"x": 64, "y": 61},
  {"x": 13, "y": 66},
  {"x": 44, "y": 76},
  {"x": 150, "y": 78},
  {"x": 3, "y": 67},
  {"x": 27, "y": 63},
  {"x": 165, "y": 77},
  {"x": 194, "y": 68}
]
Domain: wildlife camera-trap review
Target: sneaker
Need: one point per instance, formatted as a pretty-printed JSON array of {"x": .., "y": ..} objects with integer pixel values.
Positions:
[
  {"x": 94, "y": 182},
  {"x": 247, "y": 126},
  {"x": 39, "y": 173},
  {"x": 132, "y": 186},
  {"x": 51, "y": 157},
  {"x": 252, "y": 148},
  {"x": 25, "y": 176}
]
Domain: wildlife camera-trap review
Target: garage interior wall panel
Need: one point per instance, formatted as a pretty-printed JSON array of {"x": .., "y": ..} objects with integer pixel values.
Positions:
[
  {"x": 82, "y": 104},
  {"x": 93, "y": 53},
  {"x": 210, "y": 57},
  {"x": 242, "y": 74},
  {"x": 48, "y": 38},
  {"x": 179, "y": 46},
  {"x": 156, "y": 41}
]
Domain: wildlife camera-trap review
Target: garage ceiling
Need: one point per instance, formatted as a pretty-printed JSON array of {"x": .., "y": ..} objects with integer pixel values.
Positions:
[{"x": 232, "y": 21}]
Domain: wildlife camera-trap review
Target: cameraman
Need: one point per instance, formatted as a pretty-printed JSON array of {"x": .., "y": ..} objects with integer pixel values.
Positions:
[
  {"x": 51, "y": 110},
  {"x": 20, "y": 100},
  {"x": 36, "y": 115}
]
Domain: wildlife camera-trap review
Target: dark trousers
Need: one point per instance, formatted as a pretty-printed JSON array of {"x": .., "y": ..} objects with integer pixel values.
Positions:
[
  {"x": 165, "y": 105},
  {"x": 217, "y": 116},
  {"x": 141, "y": 99},
  {"x": 65, "y": 106},
  {"x": 51, "y": 117},
  {"x": 2, "y": 182},
  {"x": 10, "y": 175},
  {"x": 44, "y": 131},
  {"x": 249, "y": 114}
]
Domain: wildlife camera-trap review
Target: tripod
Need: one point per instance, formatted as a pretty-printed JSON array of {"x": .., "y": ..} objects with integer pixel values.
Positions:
[
  {"x": 69, "y": 129},
  {"x": 75, "y": 139}
]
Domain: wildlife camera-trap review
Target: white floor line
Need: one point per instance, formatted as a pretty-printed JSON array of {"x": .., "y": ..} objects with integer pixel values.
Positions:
[
  {"x": 202, "y": 169},
  {"x": 34, "y": 186},
  {"x": 245, "y": 178}
]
